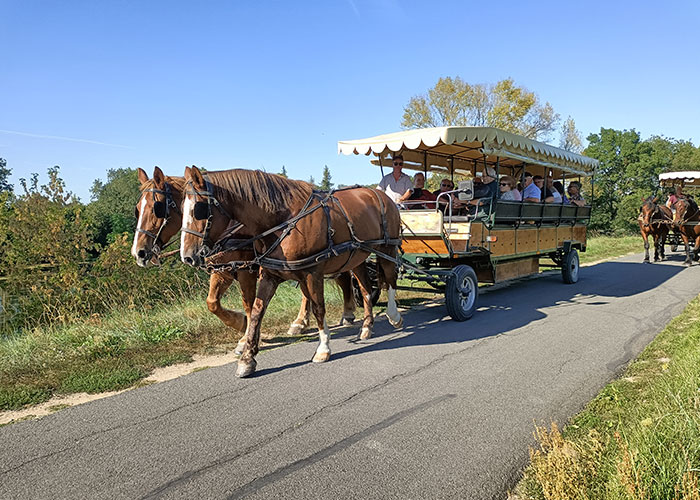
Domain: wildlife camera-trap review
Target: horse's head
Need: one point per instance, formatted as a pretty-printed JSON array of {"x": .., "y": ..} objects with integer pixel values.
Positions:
[
  {"x": 648, "y": 209},
  {"x": 203, "y": 219},
  {"x": 686, "y": 209},
  {"x": 158, "y": 214}
]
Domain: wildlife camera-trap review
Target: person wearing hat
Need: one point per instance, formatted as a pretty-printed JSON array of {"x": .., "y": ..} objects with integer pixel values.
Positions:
[{"x": 396, "y": 184}]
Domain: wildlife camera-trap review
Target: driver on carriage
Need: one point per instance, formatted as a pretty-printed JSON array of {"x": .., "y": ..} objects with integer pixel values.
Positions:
[
  {"x": 673, "y": 197},
  {"x": 396, "y": 184}
]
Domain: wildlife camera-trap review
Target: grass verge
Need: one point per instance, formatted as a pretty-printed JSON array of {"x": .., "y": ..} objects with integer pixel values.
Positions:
[
  {"x": 116, "y": 351},
  {"x": 639, "y": 438}
]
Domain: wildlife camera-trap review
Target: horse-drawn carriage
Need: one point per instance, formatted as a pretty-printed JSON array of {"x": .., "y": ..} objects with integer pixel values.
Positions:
[
  {"x": 689, "y": 183},
  {"x": 450, "y": 252}
]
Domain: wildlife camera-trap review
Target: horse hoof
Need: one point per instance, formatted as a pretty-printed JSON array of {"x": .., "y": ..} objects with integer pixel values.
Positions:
[
  {"x": 397, "y": 324},
  {"x": 295, "y": 329},
  {"x": 348, "y": 320},
  {"x": 321, "y": 357},
  {"x": 365, "y": 333},
  {"x": 246, "y": 369}
]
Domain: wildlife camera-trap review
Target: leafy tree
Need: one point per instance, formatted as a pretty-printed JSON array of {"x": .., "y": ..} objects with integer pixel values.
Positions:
[
  {"x": 326, "y": 184},
  {"x": 112, "y": 209},
  {"x": 4, "y": 176},
  {"x": 312, "y": 181},
  {"x": 570, "y": 138},
  {"x": 452, "y": 101},
  {"x": 283, "y": 173}
]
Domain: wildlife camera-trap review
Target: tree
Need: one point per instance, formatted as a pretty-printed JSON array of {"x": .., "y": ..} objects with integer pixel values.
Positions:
[
  {"x": 312, "y": 181},
  {"x": 4, "y": 176},
  {"x": 570, "y": 138},
  {"x": 452, "y": 101},
  {"x": 326, "y": 184},
  {"x": 112, "y": 208},
  {"x": 283, "y": 173}
]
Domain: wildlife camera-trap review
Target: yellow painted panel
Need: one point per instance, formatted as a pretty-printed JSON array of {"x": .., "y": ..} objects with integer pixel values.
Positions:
[
  {"x": 505, "y": 242},
  {"x": 420, "y": 222}
]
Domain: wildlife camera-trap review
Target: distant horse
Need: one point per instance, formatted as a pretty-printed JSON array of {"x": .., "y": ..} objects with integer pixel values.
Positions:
[
  {"x": 160, "y": 218},
  {"x": 687, "y": 221},
  {"x": 302, "y": 235},
  {"x": 655, "y": 221}
]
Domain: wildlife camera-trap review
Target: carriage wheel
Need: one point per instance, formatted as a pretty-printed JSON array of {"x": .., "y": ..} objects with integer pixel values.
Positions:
[
  {"x": 461, "y": 293},
  {"x": 569, "y": 268}
]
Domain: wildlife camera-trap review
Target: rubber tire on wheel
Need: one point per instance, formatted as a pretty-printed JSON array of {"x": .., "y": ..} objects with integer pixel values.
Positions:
[
  {"x": 570, "y": 267},
  {"x": 462, "y": 293}
]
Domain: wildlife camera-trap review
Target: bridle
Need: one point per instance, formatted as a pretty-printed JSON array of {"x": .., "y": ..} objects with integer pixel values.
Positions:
[
  {"x": 687, "y": 217},
  {"x": 203, "y": 210},
  {"x": 161, "y": 209}
]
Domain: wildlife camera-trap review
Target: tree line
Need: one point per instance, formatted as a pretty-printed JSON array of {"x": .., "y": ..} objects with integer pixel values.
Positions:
[{"x": 62, "y": 259}]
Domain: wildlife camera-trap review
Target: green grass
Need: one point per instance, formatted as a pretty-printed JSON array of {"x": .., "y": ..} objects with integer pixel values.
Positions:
[
  {"x": 605, "y": 247},
  {"x": 118, "y": 350},
  {"x": 639, "y": 438}
]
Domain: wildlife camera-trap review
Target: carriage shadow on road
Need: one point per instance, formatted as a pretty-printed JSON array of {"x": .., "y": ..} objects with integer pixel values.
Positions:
[{"x": 508, "y": 308}]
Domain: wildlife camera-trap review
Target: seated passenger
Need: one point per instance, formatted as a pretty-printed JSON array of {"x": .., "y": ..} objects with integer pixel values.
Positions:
[
  {"x": 546, "y": 194},
  {"x": 444, "y": 201},
  {"x": 507, "y": 187},
  {"x": 396, "y": 183},
  {"x": 485, "y": 189},
  {"x": 531, "y": 193},
  {"x": 575, "y": 197},
  {"x": 559, "y": 188},
  {"x": 556, "y": 195},
  {"x": 418, "y": 193}
]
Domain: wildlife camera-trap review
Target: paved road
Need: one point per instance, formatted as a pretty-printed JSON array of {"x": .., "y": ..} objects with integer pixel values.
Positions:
[{"x": 438, "y": 410}]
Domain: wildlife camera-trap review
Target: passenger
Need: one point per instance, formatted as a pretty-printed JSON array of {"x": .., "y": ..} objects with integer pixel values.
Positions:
[
  {"x": 418, "y": 193},
  {"x": 559, "y": 188},
  {"x": 531, "y": 193},
  {"x": 485, "y": 188},
  {"x": 396, "y": 183},
  {"x": 674, "y": 197},
  {"x": 556, "y": 195},
  {"x": 575, "y": 197},
  {"x": 447, "y": 185},
  {"x": 507, "y": 185},
  {"x": 545, "y": 193}
]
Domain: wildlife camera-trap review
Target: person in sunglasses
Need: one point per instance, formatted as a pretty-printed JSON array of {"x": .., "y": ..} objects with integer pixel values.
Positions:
[
  {"x": 507, "y": 189},
  {"x": 396, "y": 185}
]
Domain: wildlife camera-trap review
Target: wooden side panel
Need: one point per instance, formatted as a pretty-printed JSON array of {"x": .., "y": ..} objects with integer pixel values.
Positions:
[
  {"x": 505, "y": 242},
  {"x": 517, "y": 268},
  {"x": 580, "y": 233},
  {"x": 478, "y": 237},
  {"x": 426, "y": 244},
  {"x": 548, "y": 239},
  {"x": 564, "y": 233},
  {"x": 527, "y": 240}
]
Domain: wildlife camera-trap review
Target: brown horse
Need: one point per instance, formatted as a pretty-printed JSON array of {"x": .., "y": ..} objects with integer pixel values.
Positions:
[
  {"x": 655, "y": 221},
  {"x": 687, "y": 221},
  {"x": 160, "y": 218},
  {"x": 302, "y": 235}
]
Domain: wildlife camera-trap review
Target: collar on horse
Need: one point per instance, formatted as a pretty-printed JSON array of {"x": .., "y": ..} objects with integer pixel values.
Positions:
[{"x": 162, "y": 211}]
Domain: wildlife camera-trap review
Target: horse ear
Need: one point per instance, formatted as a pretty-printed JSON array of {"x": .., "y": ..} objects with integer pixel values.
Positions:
[
  {"x": 158, "y": 176},
  {"x": 656, "y": 198},
  {"x": 188, "y": 173},
  {"x": 643, "y": 199},
  {"x": 143, "y": 176},
  {"x": 197, "y": 178}
]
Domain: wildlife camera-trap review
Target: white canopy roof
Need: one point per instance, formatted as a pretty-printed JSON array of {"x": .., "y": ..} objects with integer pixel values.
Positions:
[
  {"x": 687, "y": 178},
  {"x": 460, "y": 149}
]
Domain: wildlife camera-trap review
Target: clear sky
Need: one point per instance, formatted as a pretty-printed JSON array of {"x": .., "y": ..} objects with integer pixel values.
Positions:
[{"x": 93, "y": 85}]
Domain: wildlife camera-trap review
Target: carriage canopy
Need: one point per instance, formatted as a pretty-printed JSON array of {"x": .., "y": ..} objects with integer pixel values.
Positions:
[
  {"x": 687, "y": 178},
  {"x": 460, "y": 150}
]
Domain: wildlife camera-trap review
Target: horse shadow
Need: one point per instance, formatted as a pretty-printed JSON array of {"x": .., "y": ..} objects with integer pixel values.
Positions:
[{"x": 502, "y": 309}]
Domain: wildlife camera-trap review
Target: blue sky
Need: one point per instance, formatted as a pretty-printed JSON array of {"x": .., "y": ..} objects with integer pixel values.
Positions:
[{"x": 94, "y": 85}]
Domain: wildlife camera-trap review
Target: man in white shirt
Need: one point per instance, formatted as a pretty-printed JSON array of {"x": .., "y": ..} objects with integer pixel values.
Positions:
[{"x": 396, "y": 185}]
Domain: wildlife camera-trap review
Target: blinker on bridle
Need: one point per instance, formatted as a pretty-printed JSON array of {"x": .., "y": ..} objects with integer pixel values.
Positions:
[{"x": 203, "y": 211}]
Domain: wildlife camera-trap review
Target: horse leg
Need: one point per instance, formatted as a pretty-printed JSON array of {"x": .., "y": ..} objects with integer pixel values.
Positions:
[
  {"x": 247, "y": 282},
  {"x": 686, "y": 242},
  {"x": 696, "y": 250},
  {"x": 645, "y": 237},
  {"x": 312, "y": 285},
  {"x": 390, "y": 276},
  {"x": 344, "y": 281},
  {"x": 218, "y": 284},
  {"x": 365, "y": 283},
  {"x": 302, "y": 319},
  {"x": 656, "y": 246},
  {"x": 267, "y": 286},
  {"x": 664, "y": 234}
]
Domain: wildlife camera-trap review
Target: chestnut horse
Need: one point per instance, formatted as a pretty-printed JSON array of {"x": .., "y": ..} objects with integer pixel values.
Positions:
[
  {"x": 159, "y": 219},
  {"x": 302, "y": 235},
  {"x": 655, "y": 221},
  {"x": 687, "y": 221}
]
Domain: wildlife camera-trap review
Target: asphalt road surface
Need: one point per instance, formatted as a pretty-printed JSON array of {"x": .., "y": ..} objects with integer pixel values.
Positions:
[{"x": 437, "y": 410}]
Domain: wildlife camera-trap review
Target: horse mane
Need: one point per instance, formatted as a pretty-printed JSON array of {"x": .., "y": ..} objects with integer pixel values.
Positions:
[{"x": 271, "y": 192}]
